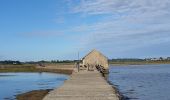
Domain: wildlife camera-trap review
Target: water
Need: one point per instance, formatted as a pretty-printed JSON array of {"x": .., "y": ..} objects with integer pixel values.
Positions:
[
  {"x": 142, "y": 82},
  {"x": 12, "y": 84}
]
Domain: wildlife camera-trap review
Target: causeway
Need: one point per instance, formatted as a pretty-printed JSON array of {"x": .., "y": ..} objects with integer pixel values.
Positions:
[{"x": 84, "y": 85}]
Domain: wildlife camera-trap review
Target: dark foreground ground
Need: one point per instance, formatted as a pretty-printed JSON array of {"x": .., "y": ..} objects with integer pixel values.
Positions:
[{"x": 33, "y": 95}]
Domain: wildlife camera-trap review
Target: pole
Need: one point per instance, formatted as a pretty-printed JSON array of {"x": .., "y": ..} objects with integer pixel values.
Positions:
[{"x": 78, "y": 66}]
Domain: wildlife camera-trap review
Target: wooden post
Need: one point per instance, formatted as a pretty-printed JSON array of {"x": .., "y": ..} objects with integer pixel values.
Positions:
[
  {"x": 78, "y": 66},
  {"x": 78, "y": 63}
]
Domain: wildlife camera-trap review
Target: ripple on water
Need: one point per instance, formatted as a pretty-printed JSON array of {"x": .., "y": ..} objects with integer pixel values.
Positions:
[
  {"x": 16, "y": 83},
  {"x": 142, "y": 82}
]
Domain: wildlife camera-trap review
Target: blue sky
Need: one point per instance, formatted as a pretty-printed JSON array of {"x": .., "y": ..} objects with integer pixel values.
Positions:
[{"x": 58, "y": 29}]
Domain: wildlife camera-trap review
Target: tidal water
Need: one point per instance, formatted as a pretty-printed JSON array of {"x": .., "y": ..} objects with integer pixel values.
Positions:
[
  {"x": 12, "y": 84},
  {"x": 142, "y": 82}
]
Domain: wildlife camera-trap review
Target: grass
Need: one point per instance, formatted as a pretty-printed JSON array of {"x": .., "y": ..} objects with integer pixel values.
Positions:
[
  {"x": 18, "y": 68},
  {"x": 31, "y": 68}
]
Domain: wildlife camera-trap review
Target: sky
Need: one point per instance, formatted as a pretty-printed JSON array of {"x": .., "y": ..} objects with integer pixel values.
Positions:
[{"x": 59, "y": 29}]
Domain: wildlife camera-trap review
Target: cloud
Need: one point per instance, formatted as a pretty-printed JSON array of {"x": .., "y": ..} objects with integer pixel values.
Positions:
[
  {"x": 121, "y": 6},
  {"x": 127, "y": 24}
]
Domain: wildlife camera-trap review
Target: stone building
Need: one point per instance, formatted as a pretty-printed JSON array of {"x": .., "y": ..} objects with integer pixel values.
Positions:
[{"x": 95, "y": 58}]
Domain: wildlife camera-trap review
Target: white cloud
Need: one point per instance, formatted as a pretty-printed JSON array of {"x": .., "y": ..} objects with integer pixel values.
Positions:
[
  {"x": 128, "y": 24},
  {"x": 121, "y": 6}
]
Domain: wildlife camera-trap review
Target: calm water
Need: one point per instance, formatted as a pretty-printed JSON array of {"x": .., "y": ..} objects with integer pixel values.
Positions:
[
  {"x": 142, "y": 82},
  {"x": 16, "y": 83}
]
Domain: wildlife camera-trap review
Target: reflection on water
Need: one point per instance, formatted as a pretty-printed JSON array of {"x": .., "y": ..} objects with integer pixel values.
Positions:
[
  {"x": 12, "y": 84},
  {"x": 5, "y": 75},
  {"x": 142, "y": 82}
]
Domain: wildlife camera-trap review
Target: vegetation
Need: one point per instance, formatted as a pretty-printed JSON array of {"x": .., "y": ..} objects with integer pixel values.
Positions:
[
  {"x": 18, "y": 68},
  {"x": 27, "y": 67},
  {"x": 127, "y": 60},
  {"x": 10, "y": 62},
  {"x": 31, "y": 68},
  {"x": 134, "y": 61},
  {"x": 51, "y": 62}
]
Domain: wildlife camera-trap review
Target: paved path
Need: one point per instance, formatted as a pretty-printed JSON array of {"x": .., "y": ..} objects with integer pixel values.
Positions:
[{"x": 84, "y": 85}]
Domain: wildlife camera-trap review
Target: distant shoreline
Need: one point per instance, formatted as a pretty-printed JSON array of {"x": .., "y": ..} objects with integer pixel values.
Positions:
[{"x": 139, "y": 62}]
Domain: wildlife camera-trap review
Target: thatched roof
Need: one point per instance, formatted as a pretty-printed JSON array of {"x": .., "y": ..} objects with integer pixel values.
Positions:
[
  {"x": 94, "y": 50},
  {"x": 95, "y": 58}
]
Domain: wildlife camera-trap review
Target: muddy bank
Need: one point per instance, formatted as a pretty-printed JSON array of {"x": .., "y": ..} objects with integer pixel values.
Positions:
[{"x": 33, "y": 95}]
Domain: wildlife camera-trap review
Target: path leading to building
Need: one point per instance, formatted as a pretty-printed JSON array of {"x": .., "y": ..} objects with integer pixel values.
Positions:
[{"x": 84, "y": 85}]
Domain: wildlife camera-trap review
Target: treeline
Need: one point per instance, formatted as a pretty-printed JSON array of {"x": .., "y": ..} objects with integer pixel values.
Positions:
[
  {"x": 36, "y": 62},
  {"x": 140, "y": 61},
  {"x": 126, "y": 60},
  {"x": 67, "y": 61},
  {"x": 6, "y": 62},
  {"x": 52, "y": 61},
  {"x": 116, "y": 60}
]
